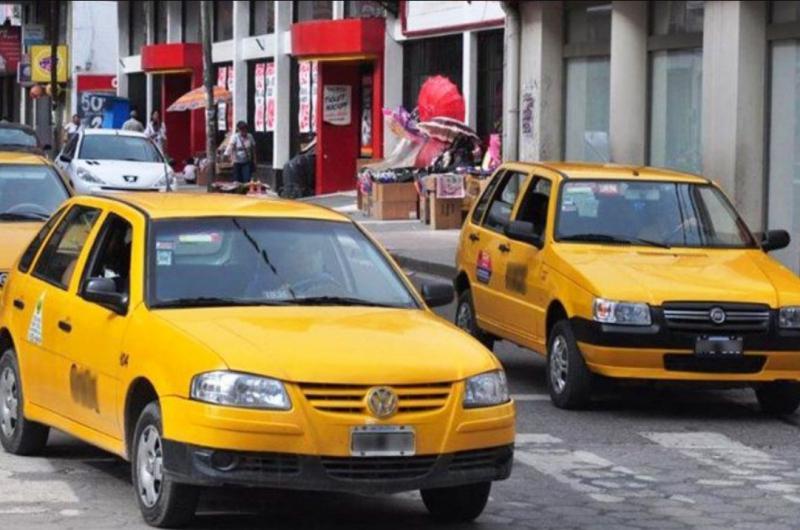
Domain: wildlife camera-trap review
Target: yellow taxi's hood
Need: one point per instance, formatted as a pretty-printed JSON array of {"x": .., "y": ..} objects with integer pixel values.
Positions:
[
  {"x": 14, "y": 238},
  {"x": 655, "y": 276},
  {"x": 354, "y": 345}
]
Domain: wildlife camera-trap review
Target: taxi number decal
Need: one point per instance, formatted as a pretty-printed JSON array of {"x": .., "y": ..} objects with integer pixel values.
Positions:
[
  {"x": 35, "y": 327},
  {"x": 515, "y": 277},
  {"x": 83, "y": 387},
  {"x": 484, "y": 268}
]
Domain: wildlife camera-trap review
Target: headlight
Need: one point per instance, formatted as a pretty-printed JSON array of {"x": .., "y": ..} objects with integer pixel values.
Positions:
[
  {"x": 240, "y": 390},
  {"x": 85, "y": 174},
  {"x": 626, "y": 313},
  {"x": 485, "y": 390},
  {"x": 789, "y": 317}
]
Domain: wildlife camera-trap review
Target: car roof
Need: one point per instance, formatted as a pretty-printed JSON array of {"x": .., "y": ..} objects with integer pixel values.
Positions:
[
  {"x": 181, "y": 204},
  {"x": 23, "y": 157},
  {"x": 19, "y": 126},
  {"x": 583, "y": 170},
  {"x": 112, "y": 132}
]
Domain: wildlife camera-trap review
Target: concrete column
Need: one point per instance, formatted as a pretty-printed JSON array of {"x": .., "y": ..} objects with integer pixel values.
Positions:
[
  {"x": 734, "y": 69},
  {"x": 628, "y": 72},
  {"x": 283, "y": 84},
  {"x": 392, "y": 83},
  {"x": 149, "y": 98},
  {"x": 338, "y": 10},
  {"x": 541, "y": 72},
  {"x": 122, "y": 48},
  {"x": 469, "y": 76},
  {"x": 174, "y": 26},
  {"x": 241, "y": 30}
]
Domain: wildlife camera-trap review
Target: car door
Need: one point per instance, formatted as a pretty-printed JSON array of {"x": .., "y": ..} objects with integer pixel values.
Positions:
[
  {"x": 491, "y": 247},
  {"x": 48, "y": 293},
  {"x": 64, "y": 159},
  {"x": 525, "y": 276},
  {"x": 95, "y": 349}
]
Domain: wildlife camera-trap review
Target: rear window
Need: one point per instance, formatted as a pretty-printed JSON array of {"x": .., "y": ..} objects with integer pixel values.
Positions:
[{"x": 17, "y": 137}]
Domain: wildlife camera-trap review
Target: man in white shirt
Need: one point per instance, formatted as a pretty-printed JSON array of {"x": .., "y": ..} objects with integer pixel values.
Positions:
[
  {"x": 133, "y": 124},
  {"x": 72, "y": 128}
]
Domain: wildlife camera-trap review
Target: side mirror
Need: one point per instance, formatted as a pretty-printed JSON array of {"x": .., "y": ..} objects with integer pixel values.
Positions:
[
  {"x": 775, "y": 240},
  {"x": 103, "y": 291},
  {"x": 437, "y": 294},
  {"x": 65, "y": 159},
  {"x": 523, "y": 231}
]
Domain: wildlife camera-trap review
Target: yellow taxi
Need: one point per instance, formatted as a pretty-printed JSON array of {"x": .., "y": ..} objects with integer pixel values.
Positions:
[
  {"x": 31, "y": 189},
  {"x": 629, "y": 273},
  {"x": 226, "y": 340}
]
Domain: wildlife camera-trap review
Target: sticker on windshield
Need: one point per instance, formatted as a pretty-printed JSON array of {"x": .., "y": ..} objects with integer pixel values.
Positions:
[
  {"x": 35, "y": 327},
  {"x": 164, "y": 258},
  {"x": 212, "y": 237},
  {"x": 165, "y": 245},
  {"x": 484, "y": 269}
]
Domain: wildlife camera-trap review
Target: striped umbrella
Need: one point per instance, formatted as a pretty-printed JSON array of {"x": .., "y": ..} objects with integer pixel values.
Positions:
[
  {"x": 196, "y": 99},
  {"x": 446, "y": 129}
]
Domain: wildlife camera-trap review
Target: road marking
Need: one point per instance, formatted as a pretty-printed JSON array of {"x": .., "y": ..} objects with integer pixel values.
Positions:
[
  {"x": 741, "y": 462},
  {"x": 530, "y": 397}
]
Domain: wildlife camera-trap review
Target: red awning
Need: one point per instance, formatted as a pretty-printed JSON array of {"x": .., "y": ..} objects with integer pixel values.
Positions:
[
  {"x": 338, "y": 38},
  {"x": 172, "y": 57}
]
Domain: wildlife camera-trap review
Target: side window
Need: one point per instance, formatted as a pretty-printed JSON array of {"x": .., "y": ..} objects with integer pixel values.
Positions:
[
  {"x": 534, "y": 205},
  {"x": 483, "y": 202},
  {"x": 503, "y": 201},
  {"x": 30, "y": 252},
  {"x": 111, "y": 254},
  {"x": 59, "y": 257}
]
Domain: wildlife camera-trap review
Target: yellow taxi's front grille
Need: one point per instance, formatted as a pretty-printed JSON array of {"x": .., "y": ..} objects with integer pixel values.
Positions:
[{"x": 352, "y": 399}]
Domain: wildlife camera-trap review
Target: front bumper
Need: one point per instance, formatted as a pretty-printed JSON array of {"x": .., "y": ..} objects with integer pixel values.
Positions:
[{"x": 191, "y": 464}]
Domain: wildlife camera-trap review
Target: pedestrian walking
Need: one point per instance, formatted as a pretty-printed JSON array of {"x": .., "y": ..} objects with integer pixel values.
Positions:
[
  {"x": 242, "y": 150},
  {"x": 157, "y": 131},
  {"x": 72, "y": 128},
  {"x": 133, "y": 123}
]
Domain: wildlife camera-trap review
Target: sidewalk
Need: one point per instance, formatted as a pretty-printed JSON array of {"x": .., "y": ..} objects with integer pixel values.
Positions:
[{"x": 412, "y": 244}]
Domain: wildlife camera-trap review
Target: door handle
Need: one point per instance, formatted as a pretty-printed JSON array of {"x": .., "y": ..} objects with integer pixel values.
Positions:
[
  {"x": 19, "y": 304},
  {"x": 64, "y": 326},
  {"x": 504, "y": 248},
  {"x": 474, "y": 237}
]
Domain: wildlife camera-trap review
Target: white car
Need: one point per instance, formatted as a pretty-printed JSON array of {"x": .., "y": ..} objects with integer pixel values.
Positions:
[{"x": 110, "y": 159}]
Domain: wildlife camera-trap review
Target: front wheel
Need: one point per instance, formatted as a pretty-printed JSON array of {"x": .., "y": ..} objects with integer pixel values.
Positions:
[
  {"x": 163, "y": 502},
  {"x": 781, "y": 397},
  {"x": 457, "y": 504},
  {"x": 568, "y": 378},
  {"x": 466, "y": 319},
  {"x": 17, "y": 435}
]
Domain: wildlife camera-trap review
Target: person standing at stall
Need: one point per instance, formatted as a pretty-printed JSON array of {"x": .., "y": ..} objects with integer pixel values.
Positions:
[
  {"x": 242, "y": 151},
  {"x": 157, "y": 131}
]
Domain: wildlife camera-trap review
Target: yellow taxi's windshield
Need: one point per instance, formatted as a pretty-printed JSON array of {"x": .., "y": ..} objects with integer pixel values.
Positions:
[
  {"x": 29, "y": 192},
  {"x": 660, "y": 214},
  {"x": 231, "y": 261}
]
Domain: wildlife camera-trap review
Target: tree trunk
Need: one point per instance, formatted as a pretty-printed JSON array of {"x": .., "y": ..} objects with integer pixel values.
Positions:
[{"x": 208, "y": 82}]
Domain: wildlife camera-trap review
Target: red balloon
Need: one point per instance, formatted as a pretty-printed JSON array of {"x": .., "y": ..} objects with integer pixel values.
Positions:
[{"x": 440, "y": 97}]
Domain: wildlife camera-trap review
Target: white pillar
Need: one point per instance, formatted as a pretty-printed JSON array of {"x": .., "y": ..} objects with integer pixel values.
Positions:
[
  {"x": 174, "y": 19},
  {"x": 392, "y": 82},
  {"x": 628, "y": 72},
  {"x": 338, "y": 9},
  {"x": 122, "y": 47},
  {"x": 151, "y": 105},
  {"x": 241, "y": 30},
  {"x": 283, "y": 72},
  {"x": 541, "y": 67},
  {"x": 469, "y": 76},
  {"x": 734, "y": 69}
]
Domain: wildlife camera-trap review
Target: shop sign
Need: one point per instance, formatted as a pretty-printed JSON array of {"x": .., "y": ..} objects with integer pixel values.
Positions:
[
  {"x": 337, "y": 104},
  {"x": 304, "y": 97},
  {"x": 270, "y": 97},
  {"x": 10, "y": 48},
  {"x": 314, "y": 76},
  {"x": 258, "y": 118},
  {"x": 92, "y": 93},
  {"x": 33, "y": 34},
  {"x": 24, "y": 70},
  {"x": 41, "y": 63},
  {"x": 366, "y": 115}
]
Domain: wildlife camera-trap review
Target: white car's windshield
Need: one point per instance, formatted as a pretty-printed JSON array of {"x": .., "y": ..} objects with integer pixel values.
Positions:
[
  {"x": 29, "y": 192},
  {"x": 664, "y": 214},
  {"x": 118, "y": 147},
  {"x": 256, "y": 261}
]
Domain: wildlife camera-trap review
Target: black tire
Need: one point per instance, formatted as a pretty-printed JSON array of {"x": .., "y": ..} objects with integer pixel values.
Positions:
[
  {"x": 173, "y": 504},
  {"x": 568, "y": 378},
  {"x": 17, "y": 435},
  {"x": 781, "y": 398},
  {"x": 457, "y": 504},
  {"x": 467, "y": 320}
]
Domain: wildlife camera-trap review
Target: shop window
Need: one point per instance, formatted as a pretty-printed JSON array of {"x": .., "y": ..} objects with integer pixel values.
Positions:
[
  {"x": 137, "y": 27},
  {"x": 428, "y": 57},
  {"x": 190, "y": 21},
  {"x": 490, "y": 83},
  {"x": 223, "y": 21},
  {"x": 676, "y": 85},
  {"x": 587, "y": 78},
  {"x": 312, "y": 10},
  {"x": 257, "y": 108},
  {"x": 363, "y": 9},
  {"x": 262, "y": 18},
  {"x": 161, "y": 21}
]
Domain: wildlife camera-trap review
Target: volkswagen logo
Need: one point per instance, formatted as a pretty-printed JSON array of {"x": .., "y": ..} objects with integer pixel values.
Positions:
[
  {"x": 382, "y": 402},
  {"x": 130, "y": 178},
  {"x": 717, "y": 315}
]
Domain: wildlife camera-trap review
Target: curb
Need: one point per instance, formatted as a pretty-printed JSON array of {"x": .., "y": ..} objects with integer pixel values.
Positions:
[{"x": 425, "y": 267}]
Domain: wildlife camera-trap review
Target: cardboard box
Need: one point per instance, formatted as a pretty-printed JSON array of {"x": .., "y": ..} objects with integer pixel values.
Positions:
[
  {"x": 425, "y": 208},
  {"x": 394, "y": 211},
  {"x": 445, "y": 213},
  {"x": 394, "y": 192}
]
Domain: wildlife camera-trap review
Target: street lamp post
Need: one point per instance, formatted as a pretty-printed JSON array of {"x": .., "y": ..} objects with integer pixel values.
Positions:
[{"x": 208, "y": 82}]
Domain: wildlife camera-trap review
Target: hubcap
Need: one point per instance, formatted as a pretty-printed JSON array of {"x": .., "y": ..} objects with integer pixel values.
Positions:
[
  {"x": 558, "y": 364},
  {"x": 150, "y": 462},
  {"x": 464, "y": 317},
  {"x": 9, "y": 402}
]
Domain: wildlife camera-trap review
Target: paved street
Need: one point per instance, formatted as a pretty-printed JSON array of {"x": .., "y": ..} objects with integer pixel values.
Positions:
[{"x": 640, "y": 458}]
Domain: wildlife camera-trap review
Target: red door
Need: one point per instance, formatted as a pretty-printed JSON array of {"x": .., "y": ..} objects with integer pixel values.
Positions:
[
  {"x": 338, "y": 145},
  {"x": 178, "y": 123}
]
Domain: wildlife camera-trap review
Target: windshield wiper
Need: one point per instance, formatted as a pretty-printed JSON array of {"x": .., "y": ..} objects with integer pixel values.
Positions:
[
  {"x": 606, "y": 238},
  {"x": 23, "y": 216},
  {"x": 338, "y": 300},
  {"x": 213, "y": 301}
]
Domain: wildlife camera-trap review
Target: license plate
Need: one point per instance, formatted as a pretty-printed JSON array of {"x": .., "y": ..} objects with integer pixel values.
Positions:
[
  {"x": 720, "y": 346},
  {"x": 382, "y": 440}
]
